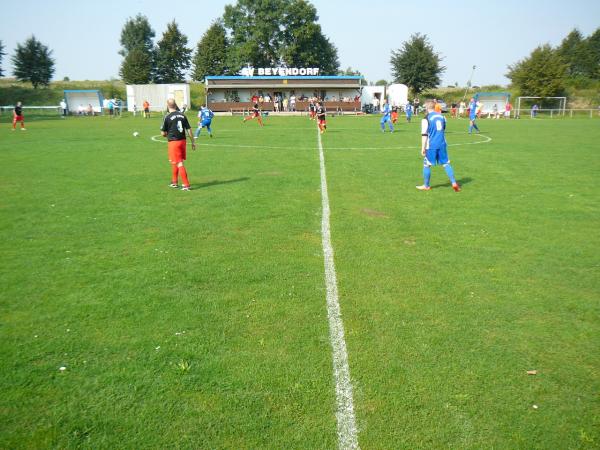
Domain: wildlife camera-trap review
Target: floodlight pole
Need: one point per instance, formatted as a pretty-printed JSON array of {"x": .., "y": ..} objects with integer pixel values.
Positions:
[{"x": 469, "y": 83}]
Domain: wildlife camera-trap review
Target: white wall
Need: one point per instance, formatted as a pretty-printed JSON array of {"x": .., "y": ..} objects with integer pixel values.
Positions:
[
  {"x": 368, "y": 94},
  {"x": 397, "y": 94}
]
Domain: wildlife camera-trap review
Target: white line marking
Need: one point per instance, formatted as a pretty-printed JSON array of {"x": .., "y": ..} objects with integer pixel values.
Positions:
[{"x": 346, "y": 422}]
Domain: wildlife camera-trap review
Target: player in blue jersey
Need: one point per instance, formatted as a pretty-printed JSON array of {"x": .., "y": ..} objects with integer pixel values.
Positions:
[
  {"x": 472, "y": 115},
  {"x": 386, "y": 110},
  {"x": 205, "y": 117},
  {"x": 434, "y": 147},
  {"x": 408, "y": 109}
]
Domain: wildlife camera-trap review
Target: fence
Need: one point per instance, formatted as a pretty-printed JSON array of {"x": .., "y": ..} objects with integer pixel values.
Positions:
[{"x": 556, "y": 113}]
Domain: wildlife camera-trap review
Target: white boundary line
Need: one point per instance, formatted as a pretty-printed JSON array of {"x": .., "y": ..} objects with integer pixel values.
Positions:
[{"x": 346, "y": 422}]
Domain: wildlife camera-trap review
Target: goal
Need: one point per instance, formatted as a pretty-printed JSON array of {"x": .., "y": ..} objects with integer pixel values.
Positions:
[{"x": 540, "y": 106}]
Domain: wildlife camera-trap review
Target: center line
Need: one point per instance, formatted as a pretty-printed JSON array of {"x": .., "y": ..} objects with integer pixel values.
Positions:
[{"x": 346, "y": 422}]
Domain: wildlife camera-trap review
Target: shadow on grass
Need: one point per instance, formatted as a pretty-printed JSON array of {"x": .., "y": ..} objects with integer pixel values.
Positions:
[
  {"x": 217, "y": 182},
  {"x": 461, "y": 182}
]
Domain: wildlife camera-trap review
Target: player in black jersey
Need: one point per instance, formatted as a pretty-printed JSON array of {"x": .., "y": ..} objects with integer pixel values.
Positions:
[
  {"x": 320, "y": 112},
  {"x": 254, "y": 114},
  {"x": 311, "y": 109},
  {"x": 174, "y": 128},
  {"x": 18, "y": 117}
]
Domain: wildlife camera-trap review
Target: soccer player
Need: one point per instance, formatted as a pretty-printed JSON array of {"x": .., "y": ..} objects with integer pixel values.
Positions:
[
  {"x": 408, "y": 109},
  {"x": 18, "y": 117},
  {"x": 472, "y": 115},
  {"x": 146, "y": 107},
  {"x": 205, "y": 117},
  {"x": 386, "y": 111},
  {"x": 434, "y": 147},
  {"x": 394, "y": 115},
  {"x": 320, "y": 112},
  {"x": 255, "y": 114},
  {"x": 174, "y": 128}
]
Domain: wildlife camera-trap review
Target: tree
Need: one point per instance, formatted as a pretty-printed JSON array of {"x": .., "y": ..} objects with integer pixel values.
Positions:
[
  {"x": 542, "y": 74},
  {"x": 136, "y": 33},
  {"x": 173, "y": 57},
  {"x": 211, "y": 53},
  {"x": 137, "y": 50},
  {"x": 267, "y": 33},
  {"x": 574, "y": 52},
  {"x": 593, "y": 48},
  {"x": 137, "y": 67},
  {"x": 1, "y": 57},
  {"x": 416, "y": 64},
  {"x": 33, "y": 62},
  {"x": 381, "y": 83}
]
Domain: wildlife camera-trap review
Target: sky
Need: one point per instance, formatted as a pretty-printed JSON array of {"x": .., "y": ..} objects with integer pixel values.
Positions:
[{"x": 84, "y": 34}]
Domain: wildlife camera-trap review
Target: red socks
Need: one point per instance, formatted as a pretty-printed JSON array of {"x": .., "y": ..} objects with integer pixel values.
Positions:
[
  {"x": 183, "y": 175},
  {"x": 175, "y": 172}
]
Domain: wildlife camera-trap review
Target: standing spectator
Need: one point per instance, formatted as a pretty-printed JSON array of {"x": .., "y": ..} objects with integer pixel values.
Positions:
[
  {"x": 285, "y": 103},
  {"x": 174, "y": 128},
  {"x": 111, "y": 107},
  {"x": 507, "y": 110},
  {"x": 146, "y": 106},
  {"x": 437, "y": 107},
  {"x": 461, "y": 108},
  {"x": 80, "y": 110},
  {"x": 63, "y": 107},
  {"x": 375, "y": 104},
  {"x": 495, "y": 111},
  {"x": 453, "y": 110},
  {"x": 18, "y": 116},
  {"x": 293, "y": 103}
]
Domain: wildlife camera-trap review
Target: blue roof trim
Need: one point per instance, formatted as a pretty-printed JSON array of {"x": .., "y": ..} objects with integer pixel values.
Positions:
[
  {"x": 491, "y": 94},
  {"x": 278, "y": 77}
]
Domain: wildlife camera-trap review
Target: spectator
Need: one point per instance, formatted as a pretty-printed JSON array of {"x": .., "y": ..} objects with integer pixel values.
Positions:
[
  {"x": 507, "y": 110},
  {"x": 63, "y": 107}
]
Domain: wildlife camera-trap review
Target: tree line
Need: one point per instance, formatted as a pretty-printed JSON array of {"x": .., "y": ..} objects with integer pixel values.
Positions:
[{"x": 259, "y": 33}]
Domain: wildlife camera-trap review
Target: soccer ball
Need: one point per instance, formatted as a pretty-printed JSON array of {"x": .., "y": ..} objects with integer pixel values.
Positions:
[{"x": 136, "y": 134}]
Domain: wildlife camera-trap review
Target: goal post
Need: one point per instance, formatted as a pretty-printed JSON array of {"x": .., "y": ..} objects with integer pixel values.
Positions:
[{"x": 550, "y": 106}]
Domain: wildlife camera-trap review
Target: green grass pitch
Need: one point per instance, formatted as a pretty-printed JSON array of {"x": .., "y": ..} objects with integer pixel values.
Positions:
[{"x": 198, "y": 319}]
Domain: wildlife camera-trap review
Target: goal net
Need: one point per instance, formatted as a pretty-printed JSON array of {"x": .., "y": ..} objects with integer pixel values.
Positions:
[
  {"x": 540, "y": 106},
  {"x": 78, "y": 99}
]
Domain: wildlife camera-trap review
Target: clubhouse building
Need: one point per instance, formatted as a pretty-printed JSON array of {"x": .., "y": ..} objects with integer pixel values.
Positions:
[{"x": 291, "y": 88}]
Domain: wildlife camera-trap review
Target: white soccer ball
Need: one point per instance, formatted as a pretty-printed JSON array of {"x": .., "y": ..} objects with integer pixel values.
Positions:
[{"x": 136, "y": 134}]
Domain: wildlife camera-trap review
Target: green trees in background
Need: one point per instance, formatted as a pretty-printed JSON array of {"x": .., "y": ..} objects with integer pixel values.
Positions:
[
  {"x": 137, "y": 50},
  {"x": 265, "y": 33},
  {"x": 547, "y": 71},
  {"x": 416, "y": 64},
  {"x": 541, "y": 74},
  {"x": 211, "y": 53},
  {"x": 173, "y": 57},
  {"x": 33, "y": 62}
]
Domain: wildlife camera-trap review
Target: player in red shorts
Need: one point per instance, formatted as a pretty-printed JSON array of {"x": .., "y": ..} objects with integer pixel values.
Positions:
[
  {"x": 394, "y": 115},
  {"x": 18, "y": 117},
  {"x": 255, "y": 114},
  {"x": 174, "y": 128},
  {"x": 311, "y": 109},
  {"x": 320, "y": 112}
]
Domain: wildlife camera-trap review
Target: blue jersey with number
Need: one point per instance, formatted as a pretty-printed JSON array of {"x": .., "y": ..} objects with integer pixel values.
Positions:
[
  {"x": 436, "y": 130},
  {"x": 206, "y": 115},
  {"x": 473, "y": 111},
  {"x": 386, "y": 111}
]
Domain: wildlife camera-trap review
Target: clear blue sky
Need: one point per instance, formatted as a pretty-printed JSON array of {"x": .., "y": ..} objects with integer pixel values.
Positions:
[{"x": 84, "y": 34}]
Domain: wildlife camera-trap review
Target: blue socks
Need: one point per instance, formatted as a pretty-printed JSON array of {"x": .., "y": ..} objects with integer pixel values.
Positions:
[
  {"x": 209, "y": 131},
  {"x": 198, "y": 130},
  {"x": 426, "y": 175},
  {"x": 450, "y": 173}
]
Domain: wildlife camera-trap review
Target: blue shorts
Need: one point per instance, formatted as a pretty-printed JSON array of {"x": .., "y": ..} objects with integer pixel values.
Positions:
[
  {"x": 435, "y": 156},
  {"x": 205, "y": 123},
  {"x": 473, "y": 117},
  {"x": 385, "y": 119}
]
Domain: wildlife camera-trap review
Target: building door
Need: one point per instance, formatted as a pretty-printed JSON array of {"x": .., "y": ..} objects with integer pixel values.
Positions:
[{"x": 179, "y": 97}]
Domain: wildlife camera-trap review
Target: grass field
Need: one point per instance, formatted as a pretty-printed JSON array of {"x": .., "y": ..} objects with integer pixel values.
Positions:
[{"x": 198, "y": 319}]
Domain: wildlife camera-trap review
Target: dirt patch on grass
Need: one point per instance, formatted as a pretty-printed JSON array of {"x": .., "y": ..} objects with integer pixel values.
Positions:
[{"x": 374, "y": 213}]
